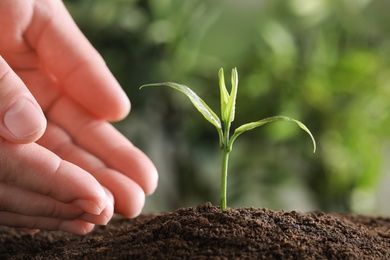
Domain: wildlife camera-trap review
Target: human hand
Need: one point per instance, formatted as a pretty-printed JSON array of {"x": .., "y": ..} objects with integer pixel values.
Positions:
[{"x": 70, "y": 177}]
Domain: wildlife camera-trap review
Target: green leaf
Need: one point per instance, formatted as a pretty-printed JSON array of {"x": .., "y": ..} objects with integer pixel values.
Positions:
[
  {"x": 250, "y": 126},
  {"x": 224, "y": 93},
  {"x": 231, "y": 105},
  {"x": 202, "y": 107}
]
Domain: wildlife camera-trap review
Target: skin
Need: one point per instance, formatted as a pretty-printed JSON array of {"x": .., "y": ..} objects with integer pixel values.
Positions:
[{"x": 62, "y": 165}]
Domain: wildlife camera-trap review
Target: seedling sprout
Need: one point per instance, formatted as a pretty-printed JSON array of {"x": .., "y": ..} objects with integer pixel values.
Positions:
[{"x": 228, "y": 104}]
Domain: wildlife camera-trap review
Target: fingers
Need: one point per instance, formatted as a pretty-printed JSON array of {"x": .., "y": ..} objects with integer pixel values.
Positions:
[
  {"x": 129, "y": 196},
  {"x": 22, "y": 119},
  {"x": 40, "y": 191},
  {"x": 74, "y": 62},
  {"x": 33, "y": 168},
  {"x": 105, "y": 216},
  {"x": 77, "y": 226},
  {"x": 25, "y": 203},
  {"x": 106, "y": 143},
  {"x": 41, "y": 34}
]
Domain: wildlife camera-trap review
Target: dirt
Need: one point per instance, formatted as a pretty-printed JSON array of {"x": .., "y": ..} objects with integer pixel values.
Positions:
[{"x": 206, "y": 232}]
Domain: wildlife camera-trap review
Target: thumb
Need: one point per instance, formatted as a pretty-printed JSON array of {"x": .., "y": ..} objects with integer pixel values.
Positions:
[{"x": 21, "y": 118}]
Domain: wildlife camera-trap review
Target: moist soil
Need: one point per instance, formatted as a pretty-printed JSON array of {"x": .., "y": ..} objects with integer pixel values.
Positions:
[{"x": 206, "y": 232}]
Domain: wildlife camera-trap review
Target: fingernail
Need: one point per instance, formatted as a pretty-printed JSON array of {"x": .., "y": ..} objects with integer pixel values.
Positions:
[
  {"x": 110, "y": 197},
  {"x": 24, "y": 119},
  {"x": 88, "y": 206},
  {"x": 73, "y": 227},
  {"x": 30, "y": 231},
  {"x": 70, "y": 227}
]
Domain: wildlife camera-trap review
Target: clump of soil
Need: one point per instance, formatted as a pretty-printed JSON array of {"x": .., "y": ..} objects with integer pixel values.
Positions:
[{"x": 206, "y": 232}]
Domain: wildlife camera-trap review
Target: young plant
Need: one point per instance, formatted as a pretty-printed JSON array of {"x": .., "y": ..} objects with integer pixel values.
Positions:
[{"x": 228, "y": 104}]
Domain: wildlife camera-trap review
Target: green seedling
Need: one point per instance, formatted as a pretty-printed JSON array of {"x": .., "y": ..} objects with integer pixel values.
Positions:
[{"x": 228, "y": 104}]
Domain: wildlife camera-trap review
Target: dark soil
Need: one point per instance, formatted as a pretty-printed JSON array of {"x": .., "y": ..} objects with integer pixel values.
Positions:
[{"x": 206, "y": 232}]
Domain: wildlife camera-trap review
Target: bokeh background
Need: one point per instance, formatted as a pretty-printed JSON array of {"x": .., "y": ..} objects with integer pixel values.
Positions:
[{"x": 323, "y": 62}]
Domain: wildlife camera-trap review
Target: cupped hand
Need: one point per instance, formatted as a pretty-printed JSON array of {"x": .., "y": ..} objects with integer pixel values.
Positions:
[{"x": 62, "y": 165}]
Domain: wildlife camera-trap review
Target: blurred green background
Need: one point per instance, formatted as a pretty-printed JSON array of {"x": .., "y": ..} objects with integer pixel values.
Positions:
[{"x": 323, "y": 62}]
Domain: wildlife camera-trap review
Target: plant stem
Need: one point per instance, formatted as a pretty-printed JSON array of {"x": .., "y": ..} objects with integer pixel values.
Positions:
[
  {"x": 226, "y": 148},
  {"x": 225, "y": 161}
]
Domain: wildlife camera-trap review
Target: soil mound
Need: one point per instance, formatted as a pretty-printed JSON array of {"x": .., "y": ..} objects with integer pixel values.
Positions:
[{"x": 206, "y": 232}]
